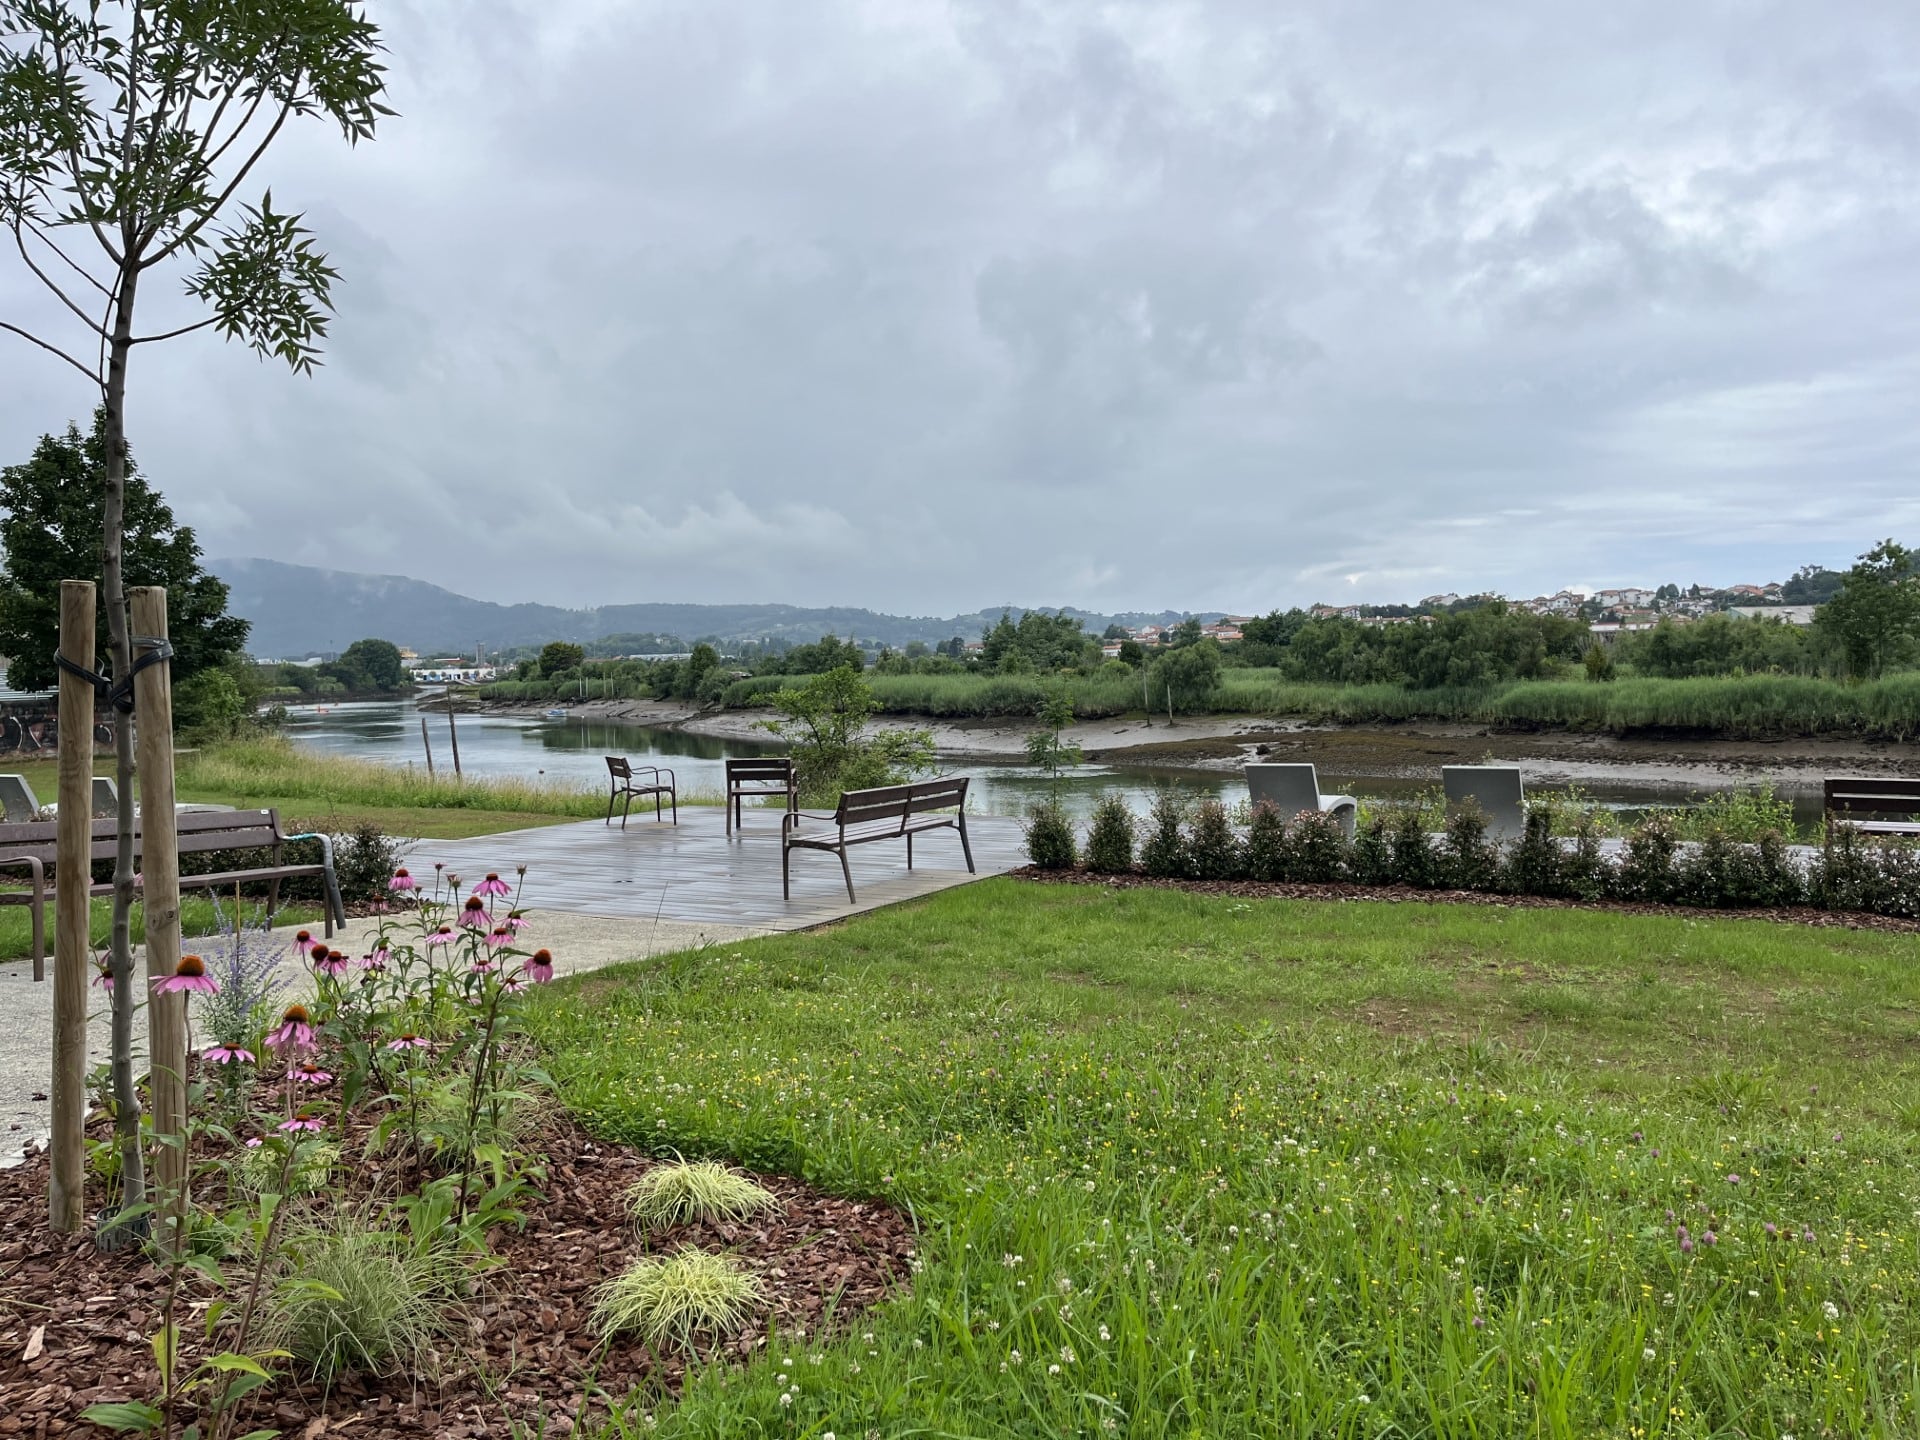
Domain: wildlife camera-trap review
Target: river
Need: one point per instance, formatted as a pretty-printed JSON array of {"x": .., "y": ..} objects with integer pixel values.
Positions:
[{"x": 570, "y": 751}]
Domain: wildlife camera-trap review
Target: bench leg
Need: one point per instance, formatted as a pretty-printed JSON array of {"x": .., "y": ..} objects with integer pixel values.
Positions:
[
  {"x": 40, "y": 925},
  {"x": 733, "y": 805},
  {"x": 786, "y": 883},
  {"x": 674, "y": 797},
  {"x": 847, "y": 871},
  {"x": 909, "y": 850},
  {"x": 965, "y": 847}
]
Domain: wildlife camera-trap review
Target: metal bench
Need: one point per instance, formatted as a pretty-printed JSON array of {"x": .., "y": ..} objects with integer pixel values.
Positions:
[
  {"x": 624, "y": 784},
  {"x": 33, "y": 847},
  {"x": 891, "y": 812},
  {"x": 763, "y": 775},
  {"x": 1852, "y": 796}
]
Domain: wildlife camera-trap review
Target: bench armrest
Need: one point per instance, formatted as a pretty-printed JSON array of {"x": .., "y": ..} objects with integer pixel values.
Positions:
[
  {"x": 653, "y": 770},
  {"x": 326, "y": 859}
]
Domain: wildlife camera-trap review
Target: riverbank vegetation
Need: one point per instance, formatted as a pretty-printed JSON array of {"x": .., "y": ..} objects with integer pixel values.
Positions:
[{"x": 1197, "y": 1166}]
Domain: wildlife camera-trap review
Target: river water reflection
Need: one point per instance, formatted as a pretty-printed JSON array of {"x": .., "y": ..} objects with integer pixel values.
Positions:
[{"x": 570, "y": 751}]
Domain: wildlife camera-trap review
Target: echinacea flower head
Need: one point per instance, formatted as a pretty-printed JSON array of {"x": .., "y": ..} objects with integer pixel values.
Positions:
[
  {"x": 540, "y": 967},
  {"x": 498, "y": 936},
  {"x": 442, "y": 936},
  {"x": 474, "y": 913},
  {"x": 512, "y": 985},
  {"x": 376, "y": 958},
  {"x": 303, "y": 1120},
  {"x": 410, "y": 1041},
  {"x": 327, "y": 961},
  {"x": 189, "y": 974},
  {"x": 227, "y": 1055},
  {"x": 295, "y": 1031},
  {"x": 482, "y": 964},
  {"x": 307, "y": 1073},
  {"x": 303, "y": 943},
  {"x": 493, "y": 885},
  {"x": 516, "y": 920},
  {"x": 402, "y": 881},
  {"x": 103, "y": 975}
]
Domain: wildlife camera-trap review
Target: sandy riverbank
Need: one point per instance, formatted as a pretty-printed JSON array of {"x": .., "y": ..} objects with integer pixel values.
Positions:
[{"x": 1414, "y": 750}]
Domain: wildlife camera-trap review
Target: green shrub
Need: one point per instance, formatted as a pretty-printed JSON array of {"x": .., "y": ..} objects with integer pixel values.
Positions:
[
  {"x": 698, "y": 1190},
  {"x": 1371, "y": 862},
  {"x": 1414, "y": 861},
  {"x": 364, "y": 860},
  {"x": 1468, "y": 860},
  {"x": 1534, "y": 863},
  {"x": 356, "y": 1299},
  {"x": 1213, "y": 850},
  {"x": 1050, "y": 841},
  {"x": 1110, "y": 837},
  {"x": 1316, "y": 849},
  {"x": 1266, "y": 850},
  {"x": 1164, "y": 852},
  {"x": 669, "y": 1301},
  {"x": 1647, "y": 870}
]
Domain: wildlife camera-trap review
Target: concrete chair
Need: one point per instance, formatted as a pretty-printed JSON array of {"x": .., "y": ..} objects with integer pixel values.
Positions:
[
  {"x": 1498, "y": 792},
  {"x": 1293, "y": 788},
  {"x": 17, "y": 798}
]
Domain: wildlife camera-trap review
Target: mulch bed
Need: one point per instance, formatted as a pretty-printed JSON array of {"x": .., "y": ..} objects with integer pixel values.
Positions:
[
  {"x": 1264, "y": 890},
  {"x": 522, "y": 1351}
]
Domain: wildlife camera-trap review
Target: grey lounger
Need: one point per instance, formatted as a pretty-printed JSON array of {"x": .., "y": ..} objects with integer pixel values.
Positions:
[
  {"x": 17, "y": 798},
  {"x": 1498, "y": 792},
  {"x": 106, "y": 796},
  {"x": 1293, "y": 788}
]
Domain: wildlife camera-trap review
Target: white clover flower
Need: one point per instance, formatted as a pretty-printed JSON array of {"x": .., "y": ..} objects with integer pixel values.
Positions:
[
  {"x": 1105, "y": 1334},
  {"x": 1647, "y": 1354},
  {"x": 786, "y": 1397},
  {"x": 1832, "y": 1310}
]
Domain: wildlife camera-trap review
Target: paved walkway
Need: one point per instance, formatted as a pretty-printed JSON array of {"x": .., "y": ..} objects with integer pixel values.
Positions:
[{"x": 595, "y": 896}]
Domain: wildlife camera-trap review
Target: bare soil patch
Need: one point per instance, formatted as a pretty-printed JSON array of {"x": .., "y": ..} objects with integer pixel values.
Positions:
[{"x": 523, "y": 1351}]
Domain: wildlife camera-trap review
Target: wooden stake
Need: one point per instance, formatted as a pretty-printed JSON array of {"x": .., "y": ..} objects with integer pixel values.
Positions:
[
  {"x": 73, "y": 874},
  {"x": 455, "y": 734},
  {"x": 160, "y": 898},
  {"x": 427, "y": 741}
]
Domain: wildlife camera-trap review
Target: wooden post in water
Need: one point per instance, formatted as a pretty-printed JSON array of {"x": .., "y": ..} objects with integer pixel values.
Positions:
[
  {"x": 73, "y": 874},
  {"x": 160, "y": 901},
  {"x": 451, "y": 731},
  {"x": 428, "y": 742}
]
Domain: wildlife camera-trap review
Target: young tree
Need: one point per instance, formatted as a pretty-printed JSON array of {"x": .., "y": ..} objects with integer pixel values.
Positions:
[
  {"x": 557, "y": 656},
  {"x": 1876, "y": 616},
  {"x": 127, "y": 128},
  {"x": 370, "y": 664},
  {"x": 1046, "y": 751},
  {"x": 1187, "y": 676},
  {"x": 51, "y": 533},
  {"x": 826, "y": 732}
]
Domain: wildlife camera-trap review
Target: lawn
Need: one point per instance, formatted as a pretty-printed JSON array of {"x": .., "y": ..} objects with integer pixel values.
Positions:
[{"x": 1190, "y": 1166}]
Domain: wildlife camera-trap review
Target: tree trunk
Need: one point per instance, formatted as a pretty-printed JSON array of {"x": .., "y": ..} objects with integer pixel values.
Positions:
[{"x": 126, "y": 1099}]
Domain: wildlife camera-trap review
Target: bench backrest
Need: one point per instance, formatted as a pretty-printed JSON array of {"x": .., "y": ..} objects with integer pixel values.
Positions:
[
  {"x": 1872, "y": 795},
  {"x": 898, "y": 802},
  {"x": 16, "y": 796},
  {"x": 198, "y": 832},
  {"x": 1496, "y": 789},
  {"x": 764, "y": 768},
  {"x": 1289, "y": 788},
  {"x": 619, "y": 768}
]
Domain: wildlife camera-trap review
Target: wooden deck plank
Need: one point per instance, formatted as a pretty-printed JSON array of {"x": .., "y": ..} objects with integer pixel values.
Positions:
[{"x": 693, "y": 872}]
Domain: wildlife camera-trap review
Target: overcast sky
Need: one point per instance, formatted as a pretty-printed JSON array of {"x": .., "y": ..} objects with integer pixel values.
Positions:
[{"x": 931, "y": 304}]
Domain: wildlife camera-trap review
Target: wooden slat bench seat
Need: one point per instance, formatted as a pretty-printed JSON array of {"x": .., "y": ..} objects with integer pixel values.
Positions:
[
  {"x": 1857, "y": 799},
  {"x": 891, "y": 812},
  {"x": 32, "y": 847},
  {"x": 760, "y": 775}
]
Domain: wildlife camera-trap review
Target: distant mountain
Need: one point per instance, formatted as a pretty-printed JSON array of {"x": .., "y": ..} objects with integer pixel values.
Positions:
[{"x": 299, "y": 610}]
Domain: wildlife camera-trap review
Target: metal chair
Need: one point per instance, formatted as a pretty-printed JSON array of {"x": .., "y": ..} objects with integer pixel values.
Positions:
[
  {"x": 624, "y": 784},
  {"x": 1496, "y": 789},
  {"x": 1293, "y": 788},
  {"x": 760, "y": 775}
]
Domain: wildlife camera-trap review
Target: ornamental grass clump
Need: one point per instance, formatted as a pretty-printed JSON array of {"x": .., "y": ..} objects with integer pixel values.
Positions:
[
  {"x": 673, "y": 1299},
  {"x": 695, "y": 1190},
  {"x": 361, "y": 1300}
]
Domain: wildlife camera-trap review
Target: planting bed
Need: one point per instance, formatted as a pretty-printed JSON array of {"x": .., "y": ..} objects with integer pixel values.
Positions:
[{"x": 75, "y": 1323}]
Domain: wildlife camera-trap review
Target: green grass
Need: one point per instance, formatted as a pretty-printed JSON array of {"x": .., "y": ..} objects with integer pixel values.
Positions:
[{"x": 1255, "y": 1168}]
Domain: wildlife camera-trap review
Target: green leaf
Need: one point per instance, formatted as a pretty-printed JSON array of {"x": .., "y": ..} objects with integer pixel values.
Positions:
[
  {"x": 124, "y": 1415},
  {"x": 166, "y": 1348},
  {"x": 228, "y": 1360}
]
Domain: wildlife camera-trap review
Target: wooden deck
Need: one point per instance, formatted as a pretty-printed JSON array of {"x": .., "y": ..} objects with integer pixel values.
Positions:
[{"x": 692, "y": 872}]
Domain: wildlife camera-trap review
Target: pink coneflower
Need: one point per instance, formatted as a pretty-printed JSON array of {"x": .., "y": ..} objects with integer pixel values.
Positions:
[
  {"x": 328, "y": 962},
  {"x": 103, "y": 975},
  {"x": 402, "y": 881},
  {"x": 540, "y": 967},
  {"x": 303, "y": 943},
  {"x": 376, "y": 958},
  {"x": 512, "y": 985},
  {"x": 493, "y": 885},
  {"x": 189, "y": 974},
  {"x": 474, "y": 913},
  {"x": 295, "y": 1031},
  {"x": 516, "y": 921},
  {"x": 307, "y": 1073},
  {"x": 226, "y": 1054},
  {"x": 410, "y": 1041},
  {"x": 255, "y": 1142},
  {"x": 482, "y": 964},
  {"x": 498, "y": 936},
  {"x": 441, "y": 936},
  {"x": 304, "y": 1120}
]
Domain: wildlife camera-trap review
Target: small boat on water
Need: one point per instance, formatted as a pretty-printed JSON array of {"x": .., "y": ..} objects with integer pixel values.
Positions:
[{"x": 555, "y": 714}]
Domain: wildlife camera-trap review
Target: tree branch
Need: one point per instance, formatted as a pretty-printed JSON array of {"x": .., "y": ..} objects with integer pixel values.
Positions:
[
  {"x": 183, "y": 330},
  {"x": 20, "y": 244},
  {"x": 186, "y": 236},
  {"x": 29, "y": 336},
  {"x": 40, "y": 234},
  {"x": 78, "y": 171}
]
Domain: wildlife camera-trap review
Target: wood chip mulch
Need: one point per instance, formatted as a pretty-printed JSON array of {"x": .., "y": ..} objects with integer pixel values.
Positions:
[
  {"x": 1263, "y": 890},
  {"x": 75, "y": 1323}
]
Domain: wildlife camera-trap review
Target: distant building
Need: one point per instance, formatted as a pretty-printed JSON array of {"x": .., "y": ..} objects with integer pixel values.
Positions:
[
  {"x": 455, "y": 674},
  {"x": 1789, "y": 614}
]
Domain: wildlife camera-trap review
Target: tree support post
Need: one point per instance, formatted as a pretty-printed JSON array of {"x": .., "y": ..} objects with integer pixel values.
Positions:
[
  {"x": 73, "y": 875},
  {"x": 160, "y": 902}
]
